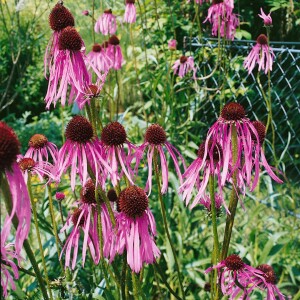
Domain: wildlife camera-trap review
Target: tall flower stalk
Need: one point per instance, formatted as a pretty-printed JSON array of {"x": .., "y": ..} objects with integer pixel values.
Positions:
[{"x": 163, "y": 211}]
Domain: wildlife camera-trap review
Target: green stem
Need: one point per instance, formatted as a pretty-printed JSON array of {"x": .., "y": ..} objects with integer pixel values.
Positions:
[
  {"x": 135, "y": 287},
  {"x": 33, "y": 205},
  {"x": 123, "y": 276},
  {"x": 163, "y": 211},
  {"x": 57, "y": 240},
  {"x": 8, "y": 204},
  {"x": 215, "y": 253},
  {"x": 233, "y": 197}
]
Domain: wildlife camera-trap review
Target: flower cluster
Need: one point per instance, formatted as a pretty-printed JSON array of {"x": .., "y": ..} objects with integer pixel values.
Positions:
[{"x": 238, "y": 280}]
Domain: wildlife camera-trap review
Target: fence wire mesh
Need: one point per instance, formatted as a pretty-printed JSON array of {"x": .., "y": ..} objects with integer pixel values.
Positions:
[{"x": 233, "y": 83}]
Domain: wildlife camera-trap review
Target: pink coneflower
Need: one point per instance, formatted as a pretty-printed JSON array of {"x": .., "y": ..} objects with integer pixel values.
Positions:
[
  {"x": 85, "y": 12},
  {"x": 172, "y": 44},
  {"x": 266, "y": 18},
  {"x": 269, "y": 283},
  {"x": 114, "y": 138},
  {"x": 183, "y": 65},
  {"x": 114, "y": 52},
  {"x": 209, "y": 162},
  {"x": 234, "y": 115},
  {"x": 59, "y": 18},
  {"x": 68, "y": 69},
  {"x": 99, "y": 58},
  {"x": 40, "y": 148},
  {"x": 206, "y": 202},
  {"x": 155, "y": 141},
  {"x": 130, "y": 12},
  {"x": 261, "y": 54},
  {"x": 80, "y": 150},
  {"x": 220, "y": 14},
  {"x": 261, "y": 132},
  {"x": 9, "y": 269},
  {"x": 41, "y": 169},
  {"x": 92, "y": 91},
  {"x": 107, "y": 23},
  {"x": 85, "y": 217},
  {"x": 59, "y": 196},
  {"x": 136, "y": 229},
  {"x": 9, "y": 150},
  {"x": 232, "y": 269}
]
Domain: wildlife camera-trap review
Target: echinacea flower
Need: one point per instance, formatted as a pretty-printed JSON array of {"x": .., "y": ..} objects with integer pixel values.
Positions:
[
  {"x": 60, "y": 17},
  {"x": 261, "y": 132},
  {"x": 206, "y": 202},
  {"x": 266, "y": 18},
  {"x": 41, "y": 169},
  {"x": 9, "y": 150},
  {"x": 269, "y": 283},
  {"x": 156, "y": 141},
  {"x": 183, "y": 65},
  {"x": 232, "y": 269},
  {"x": 85, "y": 218},
  {"x": 136, "y": 228},
  {"x": 80, "y": 150},
  {"x": 107, "y": 23},
  {"x": 130, "y": 12},
  {"x": 208, "y": 163},
  {"x": 233, "y": 117},
  {"x": 59, "y": 196},
  {"x": 172, "y": 44},
  {"x": 99, "y": 58},
  {"x": 114, "y": 52},
  {"x": 261, "y": 54},
  {"x": 9, "y": 268},
  {"x": 221, "y": 15},
  {"x": 68, "y": 69},
  {"x": 85, "y": 12},
  {"x": 114, "y": 140},
  {"x": 266, "y": 281},
  {"x": 40, "y": 148},
  {"x": 91, "y": 92}
]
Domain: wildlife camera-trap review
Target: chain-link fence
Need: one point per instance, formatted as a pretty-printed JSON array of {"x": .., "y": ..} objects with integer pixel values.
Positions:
[{"x": 233, "y": 83}]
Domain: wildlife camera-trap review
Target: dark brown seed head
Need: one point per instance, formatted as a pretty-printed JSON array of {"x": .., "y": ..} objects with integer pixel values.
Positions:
[
  {"x": 70, "y": 39},
  {"x": 79, "y": 129},
  {"x": 38, "y": 141},
  {"x": 113, "y": 40},
  {"x": 269, "y": 273},
  {"x": 108, "y": 11},
  {"x": 113, "y": 134},
  {"x": 130, "y": 1},
  {"x": 112, "y": 195},
  {"x": 26, "y": 164},
  {"x": 133, "y": 201},
  {"x": 234, "y": 262},
  {"x": 9, "y": 147},
  {"x": 261, "y": 132},
  {"x": 262, "y": 39},
  {"x": 97, "y": 48},
  {"x": 183, "y": 59},
  {"x": 75, "y": 217},
  {"x": 87, "y": 193},
  {"x": 93, "y": 89},
  {"x": 105, "y": 44},
  {"x": 217, "y": 1},
  {"x": 155, "y": 135},
  {"x": 60, "y": 18},
  {"x": 217, "y": 151},
  {"x": 233, "y": 112}
]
